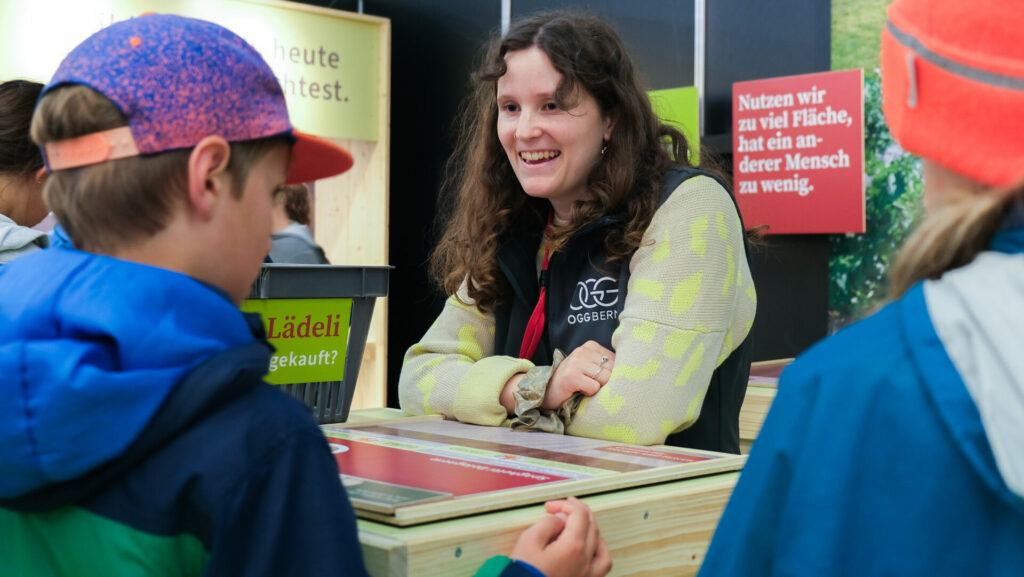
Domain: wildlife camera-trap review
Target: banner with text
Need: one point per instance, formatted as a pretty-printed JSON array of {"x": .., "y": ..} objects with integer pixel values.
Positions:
[
  {"x": 310, "y": 335},
  {"x": 798, "y": 152},
  {"x": 327, "y": 61}
]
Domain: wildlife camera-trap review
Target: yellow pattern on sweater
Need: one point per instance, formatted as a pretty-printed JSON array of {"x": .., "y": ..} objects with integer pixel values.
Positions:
[{"x": 665, "y": 348}]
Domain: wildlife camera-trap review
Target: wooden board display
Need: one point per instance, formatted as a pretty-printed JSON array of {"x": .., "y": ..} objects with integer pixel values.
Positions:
[
  {"x": 654, "y": 529},
  {"x": 351, "y": 215},
  {"x": 416, "y": 471}
]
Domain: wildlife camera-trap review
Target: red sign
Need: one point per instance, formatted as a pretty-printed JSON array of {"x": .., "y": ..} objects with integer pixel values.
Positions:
[
  {"x": 798, "y": 152},
  {"x": 431, "y": 472}
]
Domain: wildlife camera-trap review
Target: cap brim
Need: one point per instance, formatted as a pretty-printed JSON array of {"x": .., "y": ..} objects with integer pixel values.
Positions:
[{"x": 314, "y": 158}]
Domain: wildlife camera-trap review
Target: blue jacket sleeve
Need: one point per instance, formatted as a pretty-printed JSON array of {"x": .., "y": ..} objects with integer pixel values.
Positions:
[
  {"x": 290, "y": 517},
  {"x": 745, "y": 540},
  {"x": 502, "y": 566}
]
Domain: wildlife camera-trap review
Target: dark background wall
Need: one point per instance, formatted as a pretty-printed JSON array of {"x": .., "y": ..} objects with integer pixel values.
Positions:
[
  {"x": 658, "y": 34},
  {"x": 434, "y": 47},
  {"x": 747, "y": 40}
]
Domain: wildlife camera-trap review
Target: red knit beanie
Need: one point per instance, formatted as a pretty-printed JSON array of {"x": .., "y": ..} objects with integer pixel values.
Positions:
[{"x": 953, "y": 84}]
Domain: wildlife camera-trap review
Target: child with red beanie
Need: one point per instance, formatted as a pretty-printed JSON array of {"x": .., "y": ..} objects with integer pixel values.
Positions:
[{"x": 896, "y": 447}]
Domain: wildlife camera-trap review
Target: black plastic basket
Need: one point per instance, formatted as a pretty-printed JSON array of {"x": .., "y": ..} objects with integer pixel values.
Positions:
[{"x": 330, "y": 401}]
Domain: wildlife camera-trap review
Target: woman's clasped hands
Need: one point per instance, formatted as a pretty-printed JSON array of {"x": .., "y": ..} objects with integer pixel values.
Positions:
[{"x": 585, "y": 370}]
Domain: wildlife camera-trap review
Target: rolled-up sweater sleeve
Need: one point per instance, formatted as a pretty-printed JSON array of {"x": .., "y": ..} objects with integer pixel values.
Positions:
[
  {"x": 690, "y": 303},
  {"x": 453, "y": 371}
]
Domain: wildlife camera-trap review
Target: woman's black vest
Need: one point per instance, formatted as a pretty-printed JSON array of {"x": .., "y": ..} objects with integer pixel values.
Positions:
[{"x": 584, "y": 298}]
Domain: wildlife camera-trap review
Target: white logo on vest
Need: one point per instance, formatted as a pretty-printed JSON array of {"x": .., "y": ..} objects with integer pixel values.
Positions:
[{"x": 600, "y": 293}]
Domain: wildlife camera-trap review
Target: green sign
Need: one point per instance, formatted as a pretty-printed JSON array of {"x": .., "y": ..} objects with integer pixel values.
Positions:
[
  {"x": 311, "y": 337},
  {"x": 329, "y": 63},
  {"x": 678, "y": 107}
]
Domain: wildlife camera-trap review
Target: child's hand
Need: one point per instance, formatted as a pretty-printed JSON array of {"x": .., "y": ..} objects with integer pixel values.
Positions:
[{"x": 566, "y": 543}]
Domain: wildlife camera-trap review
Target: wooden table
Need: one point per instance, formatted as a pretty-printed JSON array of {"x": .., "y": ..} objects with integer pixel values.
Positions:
[
  {"x": 661, "y": 529},
  {"x": 657, "y": 530}
]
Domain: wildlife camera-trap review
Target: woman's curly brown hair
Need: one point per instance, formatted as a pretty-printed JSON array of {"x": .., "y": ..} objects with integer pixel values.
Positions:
[{"x": 482, "y": 200}]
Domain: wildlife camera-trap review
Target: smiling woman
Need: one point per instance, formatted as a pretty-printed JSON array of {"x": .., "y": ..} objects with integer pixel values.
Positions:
[
  {"x": 607, "y": 292},
  {"x": 551, "y": 146}
]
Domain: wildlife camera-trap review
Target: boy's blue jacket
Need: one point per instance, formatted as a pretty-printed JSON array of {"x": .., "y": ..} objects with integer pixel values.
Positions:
[
  {"x": 137, "y": 436},
  {"x": 135, "y": 426},
  {"x": 874, "y": 459}
]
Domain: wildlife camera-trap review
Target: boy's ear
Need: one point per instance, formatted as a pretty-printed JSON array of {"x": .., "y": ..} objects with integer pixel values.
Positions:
[{"x": 208, "y": 176}]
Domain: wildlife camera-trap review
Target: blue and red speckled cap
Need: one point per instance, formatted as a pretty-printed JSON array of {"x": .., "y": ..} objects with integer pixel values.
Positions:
[{"x": 178, "y": 80}]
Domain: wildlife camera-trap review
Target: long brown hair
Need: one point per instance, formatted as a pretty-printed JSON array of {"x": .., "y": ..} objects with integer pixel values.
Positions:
[
  {"x": 951, "y": 236},
  {"x": 482, "y": 200}
]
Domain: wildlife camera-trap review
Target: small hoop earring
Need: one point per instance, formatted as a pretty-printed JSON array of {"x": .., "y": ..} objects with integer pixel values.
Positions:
[{"x": 604, "y": 148}]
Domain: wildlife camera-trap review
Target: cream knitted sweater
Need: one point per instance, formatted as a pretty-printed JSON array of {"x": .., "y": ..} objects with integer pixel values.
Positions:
[{"x": 690, "y": 303}]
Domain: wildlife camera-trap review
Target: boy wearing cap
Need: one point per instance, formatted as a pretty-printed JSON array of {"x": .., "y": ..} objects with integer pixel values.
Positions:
[
  {"x": 136, "y": 434},
  {"x": 896, "y": 446}
]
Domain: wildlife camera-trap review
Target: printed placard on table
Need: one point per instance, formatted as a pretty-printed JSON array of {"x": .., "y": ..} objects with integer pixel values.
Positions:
[
  {"x": 798, "y": 152},
  {"x": 397, "y": 471}
]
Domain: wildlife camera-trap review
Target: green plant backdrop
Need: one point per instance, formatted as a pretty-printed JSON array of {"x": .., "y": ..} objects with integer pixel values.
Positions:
[{"x": 892, "y": 177}]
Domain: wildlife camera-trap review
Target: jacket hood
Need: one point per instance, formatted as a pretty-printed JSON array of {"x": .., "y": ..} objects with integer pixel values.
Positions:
[
  {"x": 14, "y": 237},
  {"x": 978, "y": 315},
  {"x": 90, "y": 347},
  {"x": 296, "y": 229}
]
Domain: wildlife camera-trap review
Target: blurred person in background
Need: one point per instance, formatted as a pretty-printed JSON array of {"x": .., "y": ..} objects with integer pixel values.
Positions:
[
  {"x": 293, "y": 241},
  {"x": 21, "y": 188}
]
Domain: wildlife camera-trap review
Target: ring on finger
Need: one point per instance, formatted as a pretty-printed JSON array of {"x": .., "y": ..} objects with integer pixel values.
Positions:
[{"x": 600, "y": 366}]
